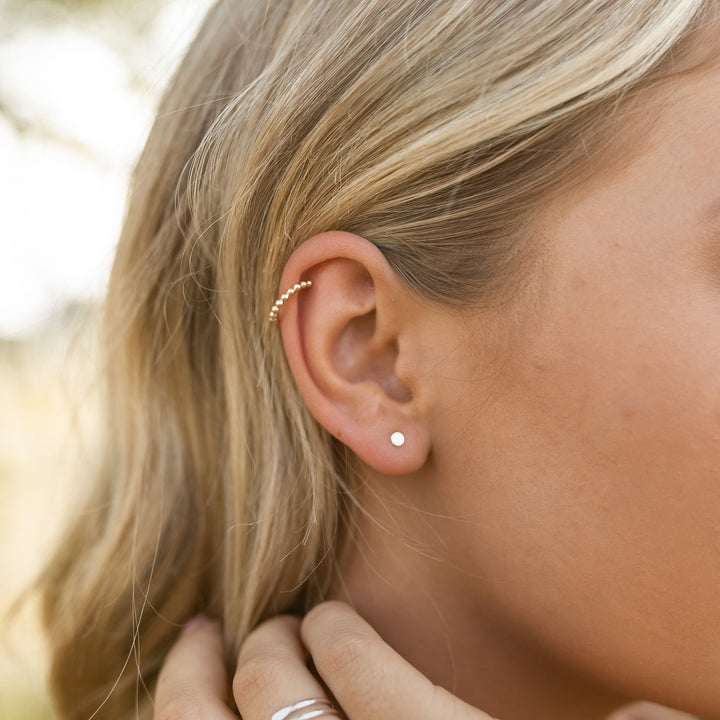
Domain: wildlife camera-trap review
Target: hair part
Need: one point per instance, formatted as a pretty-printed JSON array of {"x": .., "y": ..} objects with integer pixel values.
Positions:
[{"x": 433, "y": 128}]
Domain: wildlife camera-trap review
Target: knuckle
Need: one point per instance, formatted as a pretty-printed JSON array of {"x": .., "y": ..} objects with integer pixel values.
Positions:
[
  {"x": 340, "y": 645},
  {"x": 344, "y": 651},
  {"x": 256, "y": 676}
]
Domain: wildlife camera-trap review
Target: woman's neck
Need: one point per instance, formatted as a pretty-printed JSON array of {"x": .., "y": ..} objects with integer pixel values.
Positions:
[{"x": 437, "y": 619}]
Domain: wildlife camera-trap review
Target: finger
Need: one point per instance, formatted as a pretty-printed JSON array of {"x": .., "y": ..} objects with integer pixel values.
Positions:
[
  {"x": 272, "y": 670},
  {"x": 192, "y": 682},
  {"x": 369, "y": 679}
]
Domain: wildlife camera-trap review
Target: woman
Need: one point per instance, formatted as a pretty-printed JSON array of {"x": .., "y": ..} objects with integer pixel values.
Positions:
[{"x": 484, "y": 406}]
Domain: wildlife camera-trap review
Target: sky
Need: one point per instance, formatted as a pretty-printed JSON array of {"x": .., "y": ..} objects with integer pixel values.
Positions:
[{"x": 88, "y": 104}]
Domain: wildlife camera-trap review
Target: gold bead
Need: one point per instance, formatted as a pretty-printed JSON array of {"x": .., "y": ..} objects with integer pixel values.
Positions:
[{"x": 275, "y": 310}]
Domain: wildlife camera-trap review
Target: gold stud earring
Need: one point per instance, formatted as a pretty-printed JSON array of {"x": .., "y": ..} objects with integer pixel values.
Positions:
[{"x": 275, "y": 310}]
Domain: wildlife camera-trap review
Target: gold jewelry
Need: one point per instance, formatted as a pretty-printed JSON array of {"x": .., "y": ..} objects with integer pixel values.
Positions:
[{"x": 275, "y": 310}]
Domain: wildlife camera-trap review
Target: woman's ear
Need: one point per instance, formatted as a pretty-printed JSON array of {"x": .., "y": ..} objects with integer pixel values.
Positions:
[{"x": 348, "y": 340}]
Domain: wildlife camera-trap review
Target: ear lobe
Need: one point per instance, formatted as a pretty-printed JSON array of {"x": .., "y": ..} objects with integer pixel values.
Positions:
[{"x": 343, "y": 338}]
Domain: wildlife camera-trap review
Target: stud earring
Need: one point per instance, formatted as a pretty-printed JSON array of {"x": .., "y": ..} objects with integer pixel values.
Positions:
[
  {"x": 397, "y": 439},
  {"x": 275, "y": 310}
]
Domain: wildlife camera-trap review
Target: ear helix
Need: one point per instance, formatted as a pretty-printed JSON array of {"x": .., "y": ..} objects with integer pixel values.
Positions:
[
  {"x": 396, "y": 438},
  {"x": 275, "y": 310}
]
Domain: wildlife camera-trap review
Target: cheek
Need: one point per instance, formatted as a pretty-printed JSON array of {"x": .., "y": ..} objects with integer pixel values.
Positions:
[{"x": 599, "y": 499}]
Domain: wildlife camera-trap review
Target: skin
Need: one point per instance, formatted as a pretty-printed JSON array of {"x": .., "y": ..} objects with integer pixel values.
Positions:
[
  {"x": 366, "y": 677},
  {"x": 545, "y": 545}
]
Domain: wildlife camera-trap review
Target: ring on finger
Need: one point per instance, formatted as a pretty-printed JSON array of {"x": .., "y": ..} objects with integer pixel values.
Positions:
[{"x": 307, "y": 710}]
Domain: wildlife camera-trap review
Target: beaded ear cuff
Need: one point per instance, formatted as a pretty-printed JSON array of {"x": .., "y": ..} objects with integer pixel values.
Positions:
[{"x": 275, "y": 310}]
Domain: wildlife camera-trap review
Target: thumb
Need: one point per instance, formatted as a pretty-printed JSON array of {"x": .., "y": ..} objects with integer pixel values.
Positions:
[{"x": 367, "y": 677}]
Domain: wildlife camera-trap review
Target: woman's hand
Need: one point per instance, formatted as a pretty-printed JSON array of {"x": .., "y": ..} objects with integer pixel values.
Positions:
[
  {"x": 368, "y": 679},
  {"x": 193, "y": 682}
]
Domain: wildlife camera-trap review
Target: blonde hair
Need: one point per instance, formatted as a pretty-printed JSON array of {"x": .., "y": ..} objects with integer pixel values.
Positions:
[{"x": 430, "y": 127}]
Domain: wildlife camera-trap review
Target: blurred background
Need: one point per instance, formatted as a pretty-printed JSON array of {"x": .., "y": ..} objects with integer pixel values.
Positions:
[{"x": 79, "y": 82}]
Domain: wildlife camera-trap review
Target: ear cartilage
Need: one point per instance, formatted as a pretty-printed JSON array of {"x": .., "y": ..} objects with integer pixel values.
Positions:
[
  {"x": 397, "y": 439},
  {"x": 275, "y": 310}
]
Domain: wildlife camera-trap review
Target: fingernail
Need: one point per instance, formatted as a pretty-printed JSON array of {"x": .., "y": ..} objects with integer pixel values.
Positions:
[{"x": 197, "y": 622}]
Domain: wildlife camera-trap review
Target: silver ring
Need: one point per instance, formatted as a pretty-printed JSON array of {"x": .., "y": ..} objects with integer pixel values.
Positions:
[{"x": 307, "y": 710}]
